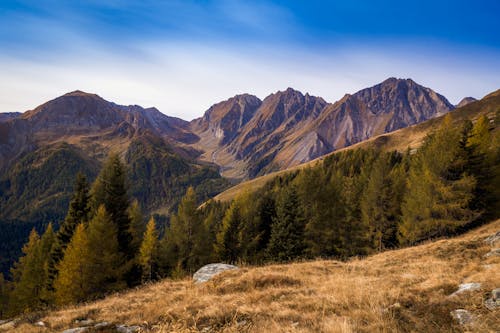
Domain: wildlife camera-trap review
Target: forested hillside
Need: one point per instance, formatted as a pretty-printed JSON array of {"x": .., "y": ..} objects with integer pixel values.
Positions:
[{"x": 355, "y": 203}]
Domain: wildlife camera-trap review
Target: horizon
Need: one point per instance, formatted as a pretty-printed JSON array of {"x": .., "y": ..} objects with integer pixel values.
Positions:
[{"x": 183, "y": 57}]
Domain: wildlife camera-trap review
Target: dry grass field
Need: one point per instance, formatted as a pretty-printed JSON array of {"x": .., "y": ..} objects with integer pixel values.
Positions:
[{"x": 404, "y": 290}]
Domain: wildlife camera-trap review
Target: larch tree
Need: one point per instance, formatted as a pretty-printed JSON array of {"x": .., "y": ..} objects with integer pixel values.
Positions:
[
  {"x": 72, "y": 282},
  {"x": 78, "y": 212},
  {"x": 439, "y": 193},
  {"x": 227, "y": 247},
  {"x": 148, "y": 253},
  {"x": 186, "y": 231},
  {"x": 27, "y": 281},
  {"x": 110, "y": 189},
  {"x": 105, "y": 262}
]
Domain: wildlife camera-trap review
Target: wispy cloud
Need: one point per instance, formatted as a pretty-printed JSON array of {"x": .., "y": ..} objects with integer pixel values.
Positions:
[{"x": 182, "y": 56}]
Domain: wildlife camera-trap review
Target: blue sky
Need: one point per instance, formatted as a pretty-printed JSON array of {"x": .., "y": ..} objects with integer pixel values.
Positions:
[{"x": 183, "y": 56}]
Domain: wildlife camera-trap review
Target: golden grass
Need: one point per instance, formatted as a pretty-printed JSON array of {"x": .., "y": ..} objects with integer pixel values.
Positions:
[{"x": 404, "y": 290}]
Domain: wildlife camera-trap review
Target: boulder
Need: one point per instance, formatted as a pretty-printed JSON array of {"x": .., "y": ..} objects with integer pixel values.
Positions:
[
  {"x": 208, "y": 271},
  {"x": 6, "y": 325},
  {"x": 493, "y": 302},
  {"x": 127, "y": 329},
  {"x": 464, "y": 287},
  {"x": 77, "y": 330},
  {"x": 462, "y": 316}
]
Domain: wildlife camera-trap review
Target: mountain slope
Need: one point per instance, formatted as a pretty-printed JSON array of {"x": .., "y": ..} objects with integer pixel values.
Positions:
[
  {"x": 401, "y": 140},
  {"x": 42, "y": 150},
  {"x": 290, "y": 128},
  {"x": 406, "y": 290}
]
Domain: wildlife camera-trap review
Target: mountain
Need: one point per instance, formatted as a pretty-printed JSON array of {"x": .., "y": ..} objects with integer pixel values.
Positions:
[
  {"x": 401, "y": 140},
  {"x": 289, "y": 128},
  {"x": 5, "y": 116},
  {"x": 43, "y": 149},
  {"x": 465, "y": 101}
]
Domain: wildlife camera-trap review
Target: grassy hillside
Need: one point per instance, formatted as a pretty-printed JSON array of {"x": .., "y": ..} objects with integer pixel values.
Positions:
[
  {"x": 404, "y": 290},
  {"x": 401, "y": 140}
]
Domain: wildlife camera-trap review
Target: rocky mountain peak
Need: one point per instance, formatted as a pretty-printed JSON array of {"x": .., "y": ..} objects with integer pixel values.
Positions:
[{"x": 465, "y": 101}]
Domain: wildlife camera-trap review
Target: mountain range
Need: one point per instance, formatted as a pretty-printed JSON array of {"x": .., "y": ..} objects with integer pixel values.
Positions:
[{"x": 43, "y": 149}]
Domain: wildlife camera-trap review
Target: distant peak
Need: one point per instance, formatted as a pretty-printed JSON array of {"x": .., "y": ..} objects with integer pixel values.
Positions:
[
  {"x": 465, "y": 101},
  {"x": 79, "y": 93}
]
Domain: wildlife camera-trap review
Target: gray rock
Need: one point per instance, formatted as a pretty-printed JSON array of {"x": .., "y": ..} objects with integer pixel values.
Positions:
[
  {"x": 8, "y": 324},
  {"x": 40, "y": 324},
  {"x": 493, "y": 253},
  {"x": 77, "y": 330},
  {"x": 84, "y": 322},
  {"x": 490, "y": 304},
  {"x": 208, "y": 271},
  {"x": 464, "y": 287},
  {"x": 128, "y": 329},
  {"x": 493, "y": 302},
  {"x": 493, "y": 239},
  {"x": 462, "y": 316},
  {"x": 495, "y": 294},
  {"x": 104, "y": 324}
]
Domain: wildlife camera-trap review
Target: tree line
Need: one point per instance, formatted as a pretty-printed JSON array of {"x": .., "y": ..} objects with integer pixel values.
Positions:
[{"x": 355, "y": 203}]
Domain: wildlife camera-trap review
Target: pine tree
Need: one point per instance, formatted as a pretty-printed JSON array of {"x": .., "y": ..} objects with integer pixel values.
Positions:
[
  {"x": 149, "y": 251},
  {"x": 73, "y": 280},
  {"x": 137, "y": 226},
  {"x": 321, "y": 199},
  {"x": 79, "y": 210},
  {"x": 47, "y": 243},
  {"x": 105, "y": 262},
  {"x": 110, "y": 190},
  {"x": 379, "y": 210},
  {"x": 482, "y": 161},
  {"x": 437, "y": 200},
  {"x": 27, "y": 285},
  {"x": 186, "y": 231},
  {"x": 287, "y": 231},
  {"x": 227, "y": 246}
]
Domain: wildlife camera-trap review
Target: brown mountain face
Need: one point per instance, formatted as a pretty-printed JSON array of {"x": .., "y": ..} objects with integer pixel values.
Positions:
[
  {"x": 465, "y": 101},
  {"x": 289, "y": 128},
  {"x": 5, "y": 116},
  {"x": 86, "y": 120}
]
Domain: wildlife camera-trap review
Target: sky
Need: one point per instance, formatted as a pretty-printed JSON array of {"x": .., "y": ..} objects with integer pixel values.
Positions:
[{"x": 183, "y": 56}]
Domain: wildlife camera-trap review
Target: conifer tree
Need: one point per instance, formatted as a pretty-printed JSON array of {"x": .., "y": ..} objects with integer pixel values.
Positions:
[
  {"x": 439, "y": 190},
  {"x": 137, "y": 226},
  {"x": 78, "y": 212},
  {"x": 149, "y": 251},
  {"x": 287, "y": 231},
  {"x": 105, "y": 262},
  {"x": 47, "y": 243},
  {"x": 73, "y": 280},
  {"x": 227, "y": 246},
  {"x": 321, "y": 199},
  {"x": 27, "y": 285},
  {"x": 379, "y": 210},
  {"x": 483, "y": 164},
  {"x": 187, "y": 232},
  {"x": 110, "y": 190}
]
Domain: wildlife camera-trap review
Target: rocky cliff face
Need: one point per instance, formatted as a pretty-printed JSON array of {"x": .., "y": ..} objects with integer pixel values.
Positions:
[{"x": 289, "y": 128}]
